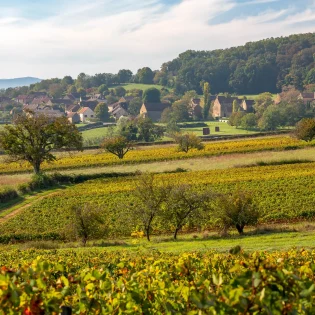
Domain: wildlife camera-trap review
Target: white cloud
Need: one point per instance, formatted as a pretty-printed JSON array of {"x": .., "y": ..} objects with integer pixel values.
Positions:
[{"x": 104, "y": 36}]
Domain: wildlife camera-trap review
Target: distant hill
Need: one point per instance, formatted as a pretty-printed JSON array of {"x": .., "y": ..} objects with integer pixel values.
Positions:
[{"x": 7, "y": 83}]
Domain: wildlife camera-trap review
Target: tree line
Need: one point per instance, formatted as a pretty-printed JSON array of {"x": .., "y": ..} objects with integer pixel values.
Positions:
[
  {"x": 172, "y": 206},
  {"x": 256, "y": 67}
]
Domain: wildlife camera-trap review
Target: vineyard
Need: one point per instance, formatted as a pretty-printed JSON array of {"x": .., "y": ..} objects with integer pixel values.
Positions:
[
  {"x": 82, "y": 160},
  {"x": 275, "y": 190},
  {"x": 99, "y": 282}
]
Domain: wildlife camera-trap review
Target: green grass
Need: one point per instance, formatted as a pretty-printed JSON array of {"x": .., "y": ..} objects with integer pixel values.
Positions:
[
  {"x": 272, "y": 238},
  {"x": 225, "y": 129},
  {"x": 95, "y": 133},
  {"x": 132, "y": 86}
]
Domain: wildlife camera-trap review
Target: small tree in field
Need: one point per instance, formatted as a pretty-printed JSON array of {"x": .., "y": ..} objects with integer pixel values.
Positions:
[
  {"x": 117, "y": 145},
  {"x": 150, "y": 197},
  {"x": 237, "y": 210},
  {"x": 33, "y": 138},
  {"x": 305, "y": 129},
  {"x": 184, "y": 204},
  {"x": 188, "y": 141},
  {"x": 86, "y": 223}
]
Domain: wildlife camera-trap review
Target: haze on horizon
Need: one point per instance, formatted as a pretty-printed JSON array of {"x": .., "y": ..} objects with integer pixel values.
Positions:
[{"x": 54, "y": 38}]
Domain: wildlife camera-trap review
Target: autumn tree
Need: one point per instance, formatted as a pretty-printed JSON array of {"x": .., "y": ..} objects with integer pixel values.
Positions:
[
  {"x": 117, "y": 145},
  {"x": 33, "y": 139},
  {"x": 305, "y": 129},
  {"x": 238, "y": 210},
  {"x": 187, "y": 141}
]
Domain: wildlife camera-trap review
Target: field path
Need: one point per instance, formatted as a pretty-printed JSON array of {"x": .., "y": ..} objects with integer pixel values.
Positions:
[{"x": 28, "y": 202}]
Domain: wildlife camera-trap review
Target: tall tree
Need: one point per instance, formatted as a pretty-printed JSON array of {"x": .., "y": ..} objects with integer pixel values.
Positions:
[
  {"x": 34, "y": 138},
  {"x": 152, "y": 95},
  {"x": 145, "y": 76},
  {"x": 206, "y": 97},
  {"x": 101, "y": 112},
  {"x": 235, "y": 106},
  {"x": 124, "y": 76}
]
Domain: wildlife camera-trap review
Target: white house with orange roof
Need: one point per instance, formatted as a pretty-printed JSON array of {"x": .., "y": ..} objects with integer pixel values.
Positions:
[{"x": 86, "y": 113}]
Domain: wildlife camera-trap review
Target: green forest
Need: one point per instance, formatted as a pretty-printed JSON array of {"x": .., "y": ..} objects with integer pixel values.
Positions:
[{"x": 256, "y": 67}]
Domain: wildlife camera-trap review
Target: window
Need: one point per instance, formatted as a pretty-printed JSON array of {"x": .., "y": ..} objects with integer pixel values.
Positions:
[
  {"x": 91, "y": 116},
  {"x": 85, "y": 116}
]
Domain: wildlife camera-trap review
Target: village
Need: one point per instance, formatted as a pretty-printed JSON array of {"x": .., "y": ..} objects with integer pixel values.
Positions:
[{"x": 81, "y": 109}]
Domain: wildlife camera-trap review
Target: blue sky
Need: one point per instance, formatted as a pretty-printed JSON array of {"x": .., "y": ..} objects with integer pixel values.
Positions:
[{"x": 53, "y": 38}]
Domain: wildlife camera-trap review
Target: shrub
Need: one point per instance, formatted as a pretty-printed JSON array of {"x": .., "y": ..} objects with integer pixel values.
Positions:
[
  {"x": 305, "y": 129},
  {"x": 7, "y": 194},
  {"x": 188, "y": 141}
]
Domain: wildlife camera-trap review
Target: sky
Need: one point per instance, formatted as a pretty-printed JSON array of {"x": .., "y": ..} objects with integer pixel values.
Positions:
[{"x": 54, "y": 38}]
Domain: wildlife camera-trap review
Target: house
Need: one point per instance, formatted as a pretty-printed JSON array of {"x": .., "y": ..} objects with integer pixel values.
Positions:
[
  {"x": 307, "y": 98},
  {"x": 96, "y": 97},
  {"x": 86, "y": 114},
  {"x": 247, "y": 106},
  {"x": 24, "y": 99},
  {"x": 72, "y": 108},
  {"x": 41, "y": 100},
  {"x": 90, "y": 104},
  {"x": 118, "y": 111},
  {"x": 223, "y": 106},
  {"x": 61, "y": 102},
  {"x": 153, "y": 110},
  {"x": 69, "y": 97},
  {"x": 112, "y": 106},
  {"x": 38, "y": 94},
  {"x": 74, "y": 118},
  {"x": 46, "y": 111}
]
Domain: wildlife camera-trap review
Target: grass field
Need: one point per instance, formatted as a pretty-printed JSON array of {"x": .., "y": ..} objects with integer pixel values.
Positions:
[
  {"x": 225, "y": 130},
  {"x": 266, "y": 238}
]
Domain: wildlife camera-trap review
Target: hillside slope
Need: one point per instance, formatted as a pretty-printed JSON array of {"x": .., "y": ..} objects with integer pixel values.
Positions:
[{"x": 256, "y": 67}]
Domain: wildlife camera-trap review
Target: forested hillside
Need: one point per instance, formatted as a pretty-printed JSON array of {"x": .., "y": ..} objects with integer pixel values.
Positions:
[{"x": 256, "y": 67}]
